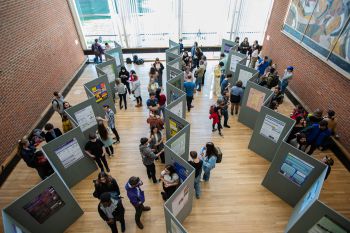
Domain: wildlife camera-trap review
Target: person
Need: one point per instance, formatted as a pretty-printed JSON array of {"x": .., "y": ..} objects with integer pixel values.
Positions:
[
  {"x": 51, "y": 132},
  {"x": 152, "y": 103},
  {"x": 274, "y": 105},
  {"x": 155, "y": 120},
  {"x": 152, "y": 85},
  {"x": 237, "y": 39},
  {"x": 136, "y": 89},
  {"x": 111, "y": 210},
  {"x": 236, "y": 95},
  {"x": 299, "y": 141},
  {"x": 287, "y": 76},
  {"x": 298, "y": 111},
  {"x": 148, "y": 157},
  {"x": 98, "y": 51},
  {"x": 95, "y": 149},
  {"x": 189, "y": 89},
  {"x": 244, "y": 46},
  {"x": 66, "y": 123},
  {"x": 225, "y": 83},
  {"x": 137, "y": 198},
  {"x": 170, "y": 180},
  {"x": 124, "y": 76},
  {"x": 205, "y": 63},
  {"x": 121, "y": 90},
  {"x": 107, "y": 47},
  {"x": 332, "y": 122},
  {"x": 197, "y": 163},
  {"x": 66, "y": 105},
  {"x": 300, "y": 124},
  {"x": 197, "y": 57},
  {"x": 159, "y": 68},
  {"x": 57, "y": 103},
  {"x": 186, "y": 60},
  {"x": 254, "y": 56},
  {"x": 215, "y": 115},
  {"x": 153, "y": 74},
  {"x": 156, "y": 142},
  {"x": 277, "y": 95},
  {"x": 199, "y": 74},
  {"x": 193, "y": 49},
  {"x": 262, "y": 65},
  {"x": 109, "y": 117},
  {"x": 105, "y": 138},
  {"x": 181, "y": 46},
  {"x": 188, "y": 76},
  {"x": 106, "y": 183},
  {"x": 317, "y": 135},
  {"x": 209, "y": 157},
  {"x": 161, "y": 100},
  {"x": 217, "y": 76},
  {"x": 224, "y": 107},
  {"x": 329, "y": 162},
  {"x": 315, "y": 117}
]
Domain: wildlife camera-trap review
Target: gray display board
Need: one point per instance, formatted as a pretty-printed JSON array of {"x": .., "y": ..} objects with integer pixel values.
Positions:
[
  {"x": 67, "y": 156},
  {"x": 319, "y": 218},
  {"x": 171, "y": 223},
  {"x": 12, "y": 226},
  {"x": 110, "y": 69},
  {"x": 173, "y": 44},
  {"x": 270, "y": 129},
  {"x": 292, "y": 173},
  {"x": 179, "y": 143},
  {"x": 253, "y": 99},
  {"x": 177, "y": 106},
  {"x": 173, "y": 92},
  {"x": 48, "y": 207},
  {"x": 171, "y": 54},
  {"x": 172, "y": 72},
  {"x": 227, "y": 46},
  {"x": 173, "y": 123},
  {"x": 117, "y": 53},
  {"x": 233, "y": 59},
  {"x": 244, "y": 74}
]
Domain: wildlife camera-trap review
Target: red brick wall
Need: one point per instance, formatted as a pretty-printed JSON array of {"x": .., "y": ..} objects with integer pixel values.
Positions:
[
  {"x": 315, "y": 83},
  {"x": 39, "y": 55}
]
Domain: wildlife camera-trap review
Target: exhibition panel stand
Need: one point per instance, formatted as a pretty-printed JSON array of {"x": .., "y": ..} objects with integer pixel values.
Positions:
[
  {"x": 244, "y": 74},
  {"x": 48, "y": 207},
  {"x": 179, "y": 143},
  {"x": 173, "y": 68},
  {"x": 117, "y": 54},
  {"x": 233, "y": 59},
  {"x": 173, "y": 123},
  {"x": 177, "y": 106},
  {"x": 172, "y": 224},
  {"x": 227, "y": 46},
  {"x": 174, "y": 88},
  {"x": 173, "y": 44},
  {"x": 110, "y": 69}
]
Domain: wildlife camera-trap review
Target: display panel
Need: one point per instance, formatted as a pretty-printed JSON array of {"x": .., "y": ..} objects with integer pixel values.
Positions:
[
  {"x": 174, "y": 227},
  {"x": 44, "y": 205},
  {"x": 116, "y": 56},
  {"x": 69, "y": 153},
  {"x": 227, "y": 48},
  {"x": 110, "y": 71},
  {"x": 326, "y": 225},
  {"x": 180, "y": 200},
  {"x": 179, "y": 145},
  {"x": 244, "y": 76},
  {"x": 86, "y": 118},
  {"x": 295, "y": 169},
  {"x": 255, "y": 99},
  {"x": 100, "y": 92},
  {"x": 177, "y": 109},
  {"x": 272, "y": 128},
  {"x": 234, "y": 62},
  {"x": 181, "y": 171},
  {"x": 175, "y": 126}
]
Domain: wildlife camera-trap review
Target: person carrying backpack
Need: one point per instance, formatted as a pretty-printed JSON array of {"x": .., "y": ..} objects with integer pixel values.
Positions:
[
  {"x": 209, "y": 157},
  {"x": 97, "y": 50},
  {"x": 58, "y": 102}
]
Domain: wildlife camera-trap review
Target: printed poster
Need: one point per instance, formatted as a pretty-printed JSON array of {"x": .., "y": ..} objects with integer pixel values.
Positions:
[
  {"x": 69, "y": 153},
  {"x": 179, "y": 145},
  {"x": 173, "y": 128},
  {"x": 234, "y": 62},
  {"x": 244, "y": 76},
  {"x": 255, "y": 99},
  {"x": 180, "y": 201},
  {"x": 272, "y": 128},
  {"x": 177, "y": 109},
  {"x": 100, "y": 92},
  {"x": 110, "y": 71},
  {"x": 86, "y": 118}
]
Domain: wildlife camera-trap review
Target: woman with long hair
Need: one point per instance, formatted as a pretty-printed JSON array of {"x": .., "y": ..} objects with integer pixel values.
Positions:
[
  {"x": 106, "y": 183},
  {"x": 105, "y": 138},
  {"x": 170, "y": 180},
  {"x": 156, "y": 142},
  {"x": 209, "y": 157}
]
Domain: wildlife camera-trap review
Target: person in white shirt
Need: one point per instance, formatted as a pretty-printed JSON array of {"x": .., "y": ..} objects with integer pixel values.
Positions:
[
  {"x": 170, "y": 180},
  {"x": 136, "y": 89},
  {"x": 112, "y": 210}
]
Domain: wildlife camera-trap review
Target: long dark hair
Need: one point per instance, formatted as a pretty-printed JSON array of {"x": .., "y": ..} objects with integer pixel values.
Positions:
[
  {"x": 171, "y": 169},
  {"x": 102, "y": 131},
  {"x": 210, "y": 150},
  {"x": 103, "y": 175}
]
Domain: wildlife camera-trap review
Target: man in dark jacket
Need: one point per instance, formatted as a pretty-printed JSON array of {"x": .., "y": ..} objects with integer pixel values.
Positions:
[
  {"x": 98, "y": 51},
  {"x": 51, "y": 132},
  {"x": 111, "y": 211},
  {"x": 137, "y": 198},
  {"x": 316, "y": 135},
  {"x": 148, "y": 158}
]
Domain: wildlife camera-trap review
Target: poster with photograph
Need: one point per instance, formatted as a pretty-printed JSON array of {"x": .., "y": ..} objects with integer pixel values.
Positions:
[
  {"x": 244, "y": 76},
  {"x": 326, "y": 225},
  {"x": 255, "y": 99},
  {"x": 181, "y": 171},
  {"x": 177, "y": 109},
  {"x": 234, "y": 62},
  {"x": 180, "y": 201},
  {"x": 44, "y": 205},
  {"x": 86, "y": 118},
  {"x": 69, "y": 153},
  {"x": 272, "y": 128},
  {"x": 100, "y": 92},
  {"x": 295, "y": 169},
  {"x": 110, "y": 71},
  {"x": 179, "y": 145}
]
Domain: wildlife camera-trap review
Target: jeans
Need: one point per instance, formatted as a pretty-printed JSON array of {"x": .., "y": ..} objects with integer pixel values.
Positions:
[
  {"x": 151, "y": 172},
  {"x": 114, "y": 228},
  {"x": 161, "y": 110},
  {"x": 97, "y": 57},
  {"x": 98, "y": 160},
  {"x": 189, "y": 102},
  {"x": 197, "y": 185},
  {"x": 234, "y": 108},
  {"x": 199, "y": 83},
  {"x": 139, "y": 209},
  {"x": 160, "y": 79},
  {"x": 122, "y": 97},
  {"x": 127, "y": 84},
  {"x": 283, "y": 85},
  {"x": 115, "y": 133},
  {"x": 109, "y": 150},
  {"x": 225, "y": 114},
  {"x": 206, "y": 175}
]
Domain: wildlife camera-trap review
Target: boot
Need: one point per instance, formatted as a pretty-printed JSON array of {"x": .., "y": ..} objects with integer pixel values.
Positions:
[{"x": 139, "y": 225}]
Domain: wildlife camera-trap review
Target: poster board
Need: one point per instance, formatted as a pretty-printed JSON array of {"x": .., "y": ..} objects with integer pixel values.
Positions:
[
  {"x": 50, "y": 203},
  {"x": 244, "y": 74},
  {"x": 117, "y": 53},
  {"x": 285, "y": 188},
  {"x": 179, "y": 142},
  {"x": 110, "y": 69},
  {"x": 272, "y": 128},
  {"x": 171, "y": 54},
  {"x": 173, "y": 123},
  {"x": 172, "y": 71},
  {"x": 227, "y": 46},
  {"x": 232, "y": 60},
  {"x": 171, "y": 223},
  {"x": 67, "y": 157},
  {"x": 178, "y": 106},
  {"x": 173, "y": 44}
]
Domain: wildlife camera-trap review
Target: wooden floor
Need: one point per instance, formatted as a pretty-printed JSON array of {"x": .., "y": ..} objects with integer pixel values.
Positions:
[{"x": 233, "y": 200}]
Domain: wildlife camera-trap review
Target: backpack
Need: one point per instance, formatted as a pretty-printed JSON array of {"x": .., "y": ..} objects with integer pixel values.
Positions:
[
  {"x": 135, "y": 58},
  {"x": 128, "y": 60},
  {"x": 140, "y": 61},
  {"x": 272, "y": 81},
  {"x": 211, "y": 109},
  {"x": 96, "y": 49},
  {"x": 57, "y": 104},
  {"x": 219, "y": 154}
]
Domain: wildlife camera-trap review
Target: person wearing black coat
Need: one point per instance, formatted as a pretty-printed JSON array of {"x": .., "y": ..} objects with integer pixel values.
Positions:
[
  {"x": 124, "y": 77},
  {"x": 51, "y": 132},
  {"x": 111, "y": 210},
  {"x": 244, "y": 46},
  {"x": 106, "y": 183},
  {"x": 159, "y": 68}
]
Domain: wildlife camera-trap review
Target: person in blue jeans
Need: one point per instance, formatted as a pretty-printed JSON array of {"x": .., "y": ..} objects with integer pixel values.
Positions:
[
  {"x": 209, "y": 157},
  {"x": 189, "y": 89},
  {"x": 287, "y": 76},
  {"x": 262, "y": 65},
  {"x": 197, "y": 164}
]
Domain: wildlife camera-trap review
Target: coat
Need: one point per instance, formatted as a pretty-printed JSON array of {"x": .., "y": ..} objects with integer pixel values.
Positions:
[
  {"x": 118, "y": 212},
  {"x": 49, "y": 137},
  {"x": 314, "y": 135},
  {"x": 147, "y": 155},
  {"x": 136, "y": 197},
  {"x": 102, "y": 188}
]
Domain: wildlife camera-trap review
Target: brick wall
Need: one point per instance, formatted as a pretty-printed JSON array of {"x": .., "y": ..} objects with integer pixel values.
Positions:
[
  {"x": 39, "y": 54},
  {"x": 315, "y": 83}
]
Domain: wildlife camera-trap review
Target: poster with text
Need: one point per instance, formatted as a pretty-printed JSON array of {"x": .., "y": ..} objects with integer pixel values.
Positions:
[
  {"x": 44, "y": 205},
  {"x": 177, "y": 109},
  {"x": 69, "y": 153},
  {"x": 296, "y": 170},
  {"x": 227, "y": 48},
  {"x": 173, "y": 127},
  {"x": 234, "y": 62},
  {"x": 100, "y": 92},
  {"x": 85, "y": 118},
  {"x": 179, "y": 145},
  {"x": 180, "y": 201},
  {"x": 326, "y": 225},
  {"x": 272, "y": 128},
  {"x": 110, "y": 71},
  {"x": 244, "y": 76},
  {"x": 255, "y": 99}
]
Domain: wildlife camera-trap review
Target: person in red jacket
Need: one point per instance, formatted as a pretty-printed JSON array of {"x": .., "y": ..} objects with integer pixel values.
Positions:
[
  {"x": 161, "y": 101},
  {"x": 215, "y": 115}
]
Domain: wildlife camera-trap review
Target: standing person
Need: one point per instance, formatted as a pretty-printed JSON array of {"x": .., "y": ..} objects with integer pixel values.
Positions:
[
  {"x": 121, "y": 90},
  {"x": 197, "y": 57},
  {"x": 199, "y": 74},
  {"x": 189, "y": 89},
  {"x": 236, "y": 94},
  {"x": 225, "y": 83},
  {"x": 95, "y": 149},
  {"x": 332, "y": 122},
  {"x": 109, "y": 117},
  {"x": 152, "y": 103},
  {"x": 156, "y": 142},
  {"x": 197, "y": 164},
  {"x": 329, "y": 162},
  {"x": 155, "y": 120},
  {"x": 215, "y": 114},
  {"x": 170, "y": 180},
  {"x": 209, "y": 159},
  {"x": 193, "y": 49},
  {"x": 262, "y": 65},
  {"x": 181, "y": 46},
  {"x": 317, "y": 135},
  {"x": 217, "y": 77},
  {"x": 153, "y": 74},
  {"x": 98, "y": 51},
  {"x": 205, "y": 63},
  {"x": 51, "y": 132},
  {"x": 152, "y": 86},
  {"x": 105, "y": 138},
  {"x": 106, "y": 183},
  {"x": 137, "y": 198},
  {"x": 159, "y": 68},
  {"x": 244, "y": 46},
  {"x": 148, "y": 158},
  {"x": 161, "y": 101},
  {"x": 254, "y": 56},
  {"x": 66, "y": 123},
  {"x": 188, "y": 74},
  {"x": 58, "y": 103},
  {"x": 224, "y": 107},
  {"x": 237, "y": 39},
  {"x": 111, "y": 210},
  {"x": 287, "y": 76},
  {"x": 136, "y": 89},
  {"x": 186, "y": 59},
  {"x": 66, "y": 105},
  {"x": 107, "y": 47},
  {"x": 124, "y": 78}
]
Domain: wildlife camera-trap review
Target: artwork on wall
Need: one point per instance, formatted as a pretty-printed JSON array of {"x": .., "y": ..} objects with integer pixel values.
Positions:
[{"x": 323, "y": 26}]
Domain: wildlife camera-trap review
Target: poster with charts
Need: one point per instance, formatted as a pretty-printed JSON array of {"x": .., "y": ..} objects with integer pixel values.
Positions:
[
  {"x": 234, "y": 62},
  {"x": 178, "y": 146},
  {"x": 110, "y": 71},
  {"x": 180, "y": 201},
  {"x": 272, "y": 128},
  {"x": 244, "y": 76},
  {"x": 85, "y": 118},
  {"x": 326, "y": 225},
  {"x": 69, "y": 153},
  {"x": 255, "y": 99},
  {"x": 177, "y": 109}
]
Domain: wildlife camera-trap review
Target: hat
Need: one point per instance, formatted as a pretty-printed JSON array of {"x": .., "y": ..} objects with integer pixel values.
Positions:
[
  {"x": 291, "y": 68},
  {"x": 105, "y": 197}
]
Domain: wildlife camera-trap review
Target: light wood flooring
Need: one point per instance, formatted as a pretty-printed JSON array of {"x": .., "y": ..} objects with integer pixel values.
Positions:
[{"x": 233, "y": 200}]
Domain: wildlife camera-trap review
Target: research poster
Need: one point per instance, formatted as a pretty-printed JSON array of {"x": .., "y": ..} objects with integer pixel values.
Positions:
[
  {"x": 86, "y": 118},
  {"x": 180, "y": 201},
  {"x": 174, "y": 227},
  {"x": 227, "y": 48},
  {"x": 172, "y": 74},
  {"x": 44, "y": 205},
  {"x": 179, "y": 145},
  {"x": 116, "y": 56},
  {"x": 272, "y": 128},
  {"x": 310, "y": 196},
  {"x": 234, "y": 62},
  {"x": 181, "y": 171},
  {"x": 326, "y": 225},
  {"x": 110, "y": 71},
  {"x": 295, "y": 169},
  {"x": 175, "y": 126},
  {"x": 69, "y": 153},
  {"x": 177, "y": 109},
  {"x": 100, "y": 92},
  {"x": 255, "y": 99},
  {"x": 244, "y": 76}
]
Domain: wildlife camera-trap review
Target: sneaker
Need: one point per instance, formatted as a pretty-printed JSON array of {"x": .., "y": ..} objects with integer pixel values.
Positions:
[
  {"x": 227, "y": 126},
  {"x": 231, "y": 113},
  {"x": 221, "y": 134},
  {"x": 213, "y": 130},
  {"x": 108, "y": 170},
  {"x": 146, "y": 208},
  {"x": 139, "y": 225},
  {"x": 197, "y": 197}
]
